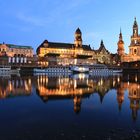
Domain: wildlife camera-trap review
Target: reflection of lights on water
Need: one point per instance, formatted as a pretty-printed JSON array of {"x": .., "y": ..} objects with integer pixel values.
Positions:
[
  {"x": 87, "y": 81},
  {"x": 75, "y": 84},
  {"x": 128, "y": 83},
  {"x": 101, "y": 82},
  {"x": 118, "y": 79},
  {"x": 81, "y": 76},
  {"x": 26, "y": 86},
  {"x": 29, "y": 81},
  {"x": 114, "y": 82},
  {"x": 41, "y": 79},
  {"x": 38, "y": 81},
  {"x": 44, "y": 79},
  {"x": 10, "y": 85},
  {"x": 136, "y": 79}
]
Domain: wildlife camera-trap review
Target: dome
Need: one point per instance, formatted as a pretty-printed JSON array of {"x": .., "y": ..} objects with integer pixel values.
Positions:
[{"x": 46, "y": 41}]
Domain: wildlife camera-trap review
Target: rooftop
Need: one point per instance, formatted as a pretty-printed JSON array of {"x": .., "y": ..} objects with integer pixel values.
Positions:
[
  {"x": 63, "y": 45},
  {"x": 19, "y": 46}
]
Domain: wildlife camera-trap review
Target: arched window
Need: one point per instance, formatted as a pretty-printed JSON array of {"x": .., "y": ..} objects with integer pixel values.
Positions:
[{"x": 135, "y": 51}]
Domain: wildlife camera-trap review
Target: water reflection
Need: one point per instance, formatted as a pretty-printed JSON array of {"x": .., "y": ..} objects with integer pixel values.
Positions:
[
  {"x": 15, "y": 86},
  {"x": 76, "y": 88}
]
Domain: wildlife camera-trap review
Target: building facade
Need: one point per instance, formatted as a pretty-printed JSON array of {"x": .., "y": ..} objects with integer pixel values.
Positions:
[
  {"x": 134, "y": 47},
  {"x": 76, "y": 53},
  {"x": 102, "y": 55},
  {"x": 15, "y": 50},
  {"x": 16, "y": 55}
]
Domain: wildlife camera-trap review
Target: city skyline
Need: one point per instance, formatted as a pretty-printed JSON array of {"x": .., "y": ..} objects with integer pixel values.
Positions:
[{"x": 29, "y": 24}]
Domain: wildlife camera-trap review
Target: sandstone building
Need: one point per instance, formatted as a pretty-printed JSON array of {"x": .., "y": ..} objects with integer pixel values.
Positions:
[
  {"x": 76, "y": 53},
  {"x": 134, "y": 47},
  {"x": 15, "y": 50}
]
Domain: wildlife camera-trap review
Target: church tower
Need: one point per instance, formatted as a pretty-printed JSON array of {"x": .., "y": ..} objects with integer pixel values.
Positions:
[
  {"x": 120, "y": 49},
  {"x": 135, "y": 28},
  {"x": 134, "y": 48},
  {"x": 78, "y": 38}
]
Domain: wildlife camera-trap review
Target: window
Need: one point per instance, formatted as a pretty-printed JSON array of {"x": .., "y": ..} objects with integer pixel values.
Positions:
[{"x": 135, "y": 51}]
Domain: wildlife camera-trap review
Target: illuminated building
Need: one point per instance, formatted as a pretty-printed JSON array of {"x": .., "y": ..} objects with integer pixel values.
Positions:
[
  {"x": 102, "y": 55},
  {"x": 15, "y": 50},
  {"x": 120, "y": 45},
  {"x": 134, "y": 48},
  {"x": 76, "y": 53}
]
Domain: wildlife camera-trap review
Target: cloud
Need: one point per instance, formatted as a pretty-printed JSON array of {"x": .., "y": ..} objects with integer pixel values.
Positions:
[{"x": 61, "y": 12}]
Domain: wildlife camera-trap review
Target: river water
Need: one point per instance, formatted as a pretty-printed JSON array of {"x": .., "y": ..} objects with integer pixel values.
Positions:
[{"x": 78, "y": 107}]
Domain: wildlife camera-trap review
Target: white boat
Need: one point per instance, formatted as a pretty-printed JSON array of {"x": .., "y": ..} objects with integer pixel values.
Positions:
[
  {"x": 54, "y": 70},
  {"x": 100, "y": 69},
  {"x": 7, "y": 70},
  {"x": 79, "y": 69},
  {"x": 117, "y": 70}
]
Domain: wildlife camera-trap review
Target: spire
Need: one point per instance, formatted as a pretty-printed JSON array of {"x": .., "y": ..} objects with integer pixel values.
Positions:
[
  {"x": 135, "y": 23},
  {"x": 102, "y": 43},
  {"x": 78, "y": 31},
  {"x": 135, "y": 28},
  {"x": 120, "y": 44},
  {"x": 120, "y": 35}
]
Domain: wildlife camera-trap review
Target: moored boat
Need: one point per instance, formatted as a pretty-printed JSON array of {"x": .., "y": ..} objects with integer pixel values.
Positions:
[
  {"x": 52, "y": 69},
  {"x": 8, "y": 70},
  {"x": 100, "y": 69},
  {"x": 79, "y": 69},
  {"x": 117, "y": 70}
]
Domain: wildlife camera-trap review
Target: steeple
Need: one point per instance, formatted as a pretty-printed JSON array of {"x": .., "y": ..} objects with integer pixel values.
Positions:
[
  {"x": 78, "y": 31},
  {"x": 135, "y": 23},
  {"x": 135, "y": 28},
  {"x": 78, "y": 38},
  {"x": 102, "y": 43},
  {"x": 120, "y": 44},
  {"x": 120, "y": 36}
]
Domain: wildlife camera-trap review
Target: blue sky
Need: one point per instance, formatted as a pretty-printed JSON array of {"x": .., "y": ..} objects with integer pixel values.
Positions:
[{"x": 30, "y": 22}]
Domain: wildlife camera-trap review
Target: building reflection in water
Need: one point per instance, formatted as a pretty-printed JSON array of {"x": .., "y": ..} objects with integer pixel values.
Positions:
[
  {"x": 75, "y": 88},
  {"x": 134, "y": 95},
  {"x": 132, "y": 84},
  {"x": 16, "y": 86}
]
